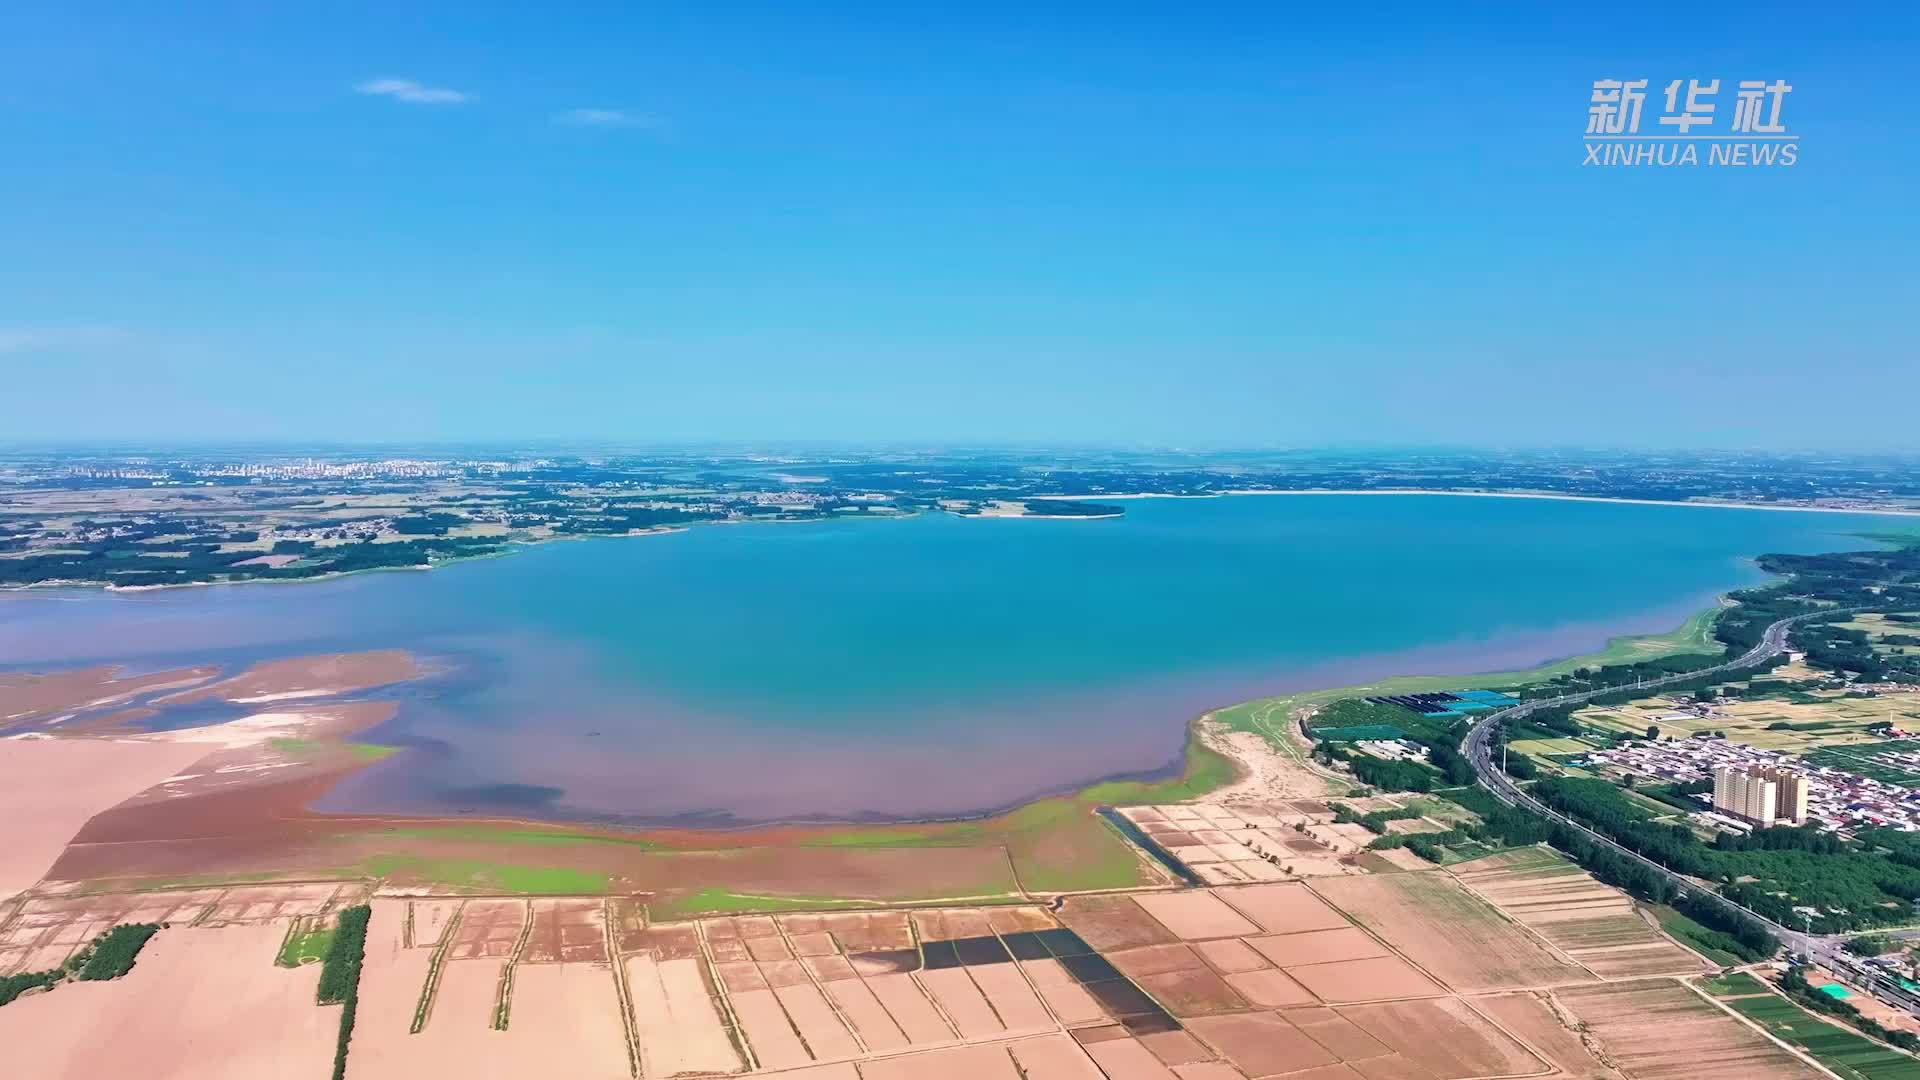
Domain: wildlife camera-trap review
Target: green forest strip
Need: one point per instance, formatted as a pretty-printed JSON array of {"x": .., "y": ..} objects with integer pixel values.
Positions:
[
  {"x": 111, "y": 954},
  {"x": 340, "y": 977},
  {"x": 340, "y": 972},
  {"x": 107, "y": 956}
]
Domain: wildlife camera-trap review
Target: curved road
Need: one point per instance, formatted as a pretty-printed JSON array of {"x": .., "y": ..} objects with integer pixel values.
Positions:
[{"x": 1826, "y": 951}]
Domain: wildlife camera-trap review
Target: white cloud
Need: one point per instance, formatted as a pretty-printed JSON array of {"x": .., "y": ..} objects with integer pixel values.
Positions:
[
  {"x": 412, "y": 93},
  {"x": 603, "y": 118},
  {"x": 32, "y": 339}
]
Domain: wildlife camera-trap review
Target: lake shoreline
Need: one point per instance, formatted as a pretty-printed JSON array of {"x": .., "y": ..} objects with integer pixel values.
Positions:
[
  {"x": 514, "y": 546},
  {"x": 1713, "y": 504}
]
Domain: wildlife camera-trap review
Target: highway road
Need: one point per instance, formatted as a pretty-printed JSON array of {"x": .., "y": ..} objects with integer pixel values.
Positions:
[{"x": 1824, "y": 950}]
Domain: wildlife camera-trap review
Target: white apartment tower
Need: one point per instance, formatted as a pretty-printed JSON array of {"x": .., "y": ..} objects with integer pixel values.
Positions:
[{"x": 1760, "y": 794}]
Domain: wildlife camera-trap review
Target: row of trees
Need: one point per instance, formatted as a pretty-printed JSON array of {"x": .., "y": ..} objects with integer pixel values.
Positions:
[
  {"x": 1800, "y": 877},
  {"x": 340, "y": 977}
]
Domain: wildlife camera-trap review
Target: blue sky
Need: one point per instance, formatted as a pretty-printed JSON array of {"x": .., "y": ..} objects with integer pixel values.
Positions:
[{"x": 1169, "y": 224}]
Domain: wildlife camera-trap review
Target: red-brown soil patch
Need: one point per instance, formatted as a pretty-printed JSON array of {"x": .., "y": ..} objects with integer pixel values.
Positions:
[
  {"x": 49, "y": 788},
  {"x": 25, "y": 697},
  {"x": 1192, "y": 992},
  {"x": 1112, "y": 922},
  {"x": 488, "y": 928},
  {"x": 1260, "y": 1044},
  {"x": 308, "y": 676},
  {"x": 1154, "y": 959},
  {"x": 569, "y": 930},
  {"x": 869, "y": 931}
]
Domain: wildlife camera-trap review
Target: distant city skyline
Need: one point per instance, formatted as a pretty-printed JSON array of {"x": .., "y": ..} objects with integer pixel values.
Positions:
[{"x": 1232, "y": 227}]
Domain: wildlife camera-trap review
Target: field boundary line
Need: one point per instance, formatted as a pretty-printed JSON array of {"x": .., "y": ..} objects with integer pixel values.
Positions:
[
  {"x": 621, "y": 994},
  {"x": 503, "y": 994},
  {"x": 293, "y": 931},
  {"x": 940, "y": 1010},
  {"x": 813, "y": 980},
  {"x": 1547, "y": 1067},
  {"x": 1013, "y": 871},
  {"x": 1546, "y": 943},
  {"x": 207, "y": 912},
  {"x": 1059, "y": 1024},
  {"x": 735, "y": 1032},
  {"x": 429, "y": 988},
  {"x": 1447, "y": 988},
  {"x": 1764, "y": 1033}
]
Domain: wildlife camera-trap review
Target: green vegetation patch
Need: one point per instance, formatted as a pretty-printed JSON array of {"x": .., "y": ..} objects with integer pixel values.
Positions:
[
  {"x": 305, "y": 946},
  {"x": 1866, "y": 760},
  {"x": 1363, "y": 733},
  {"x": 12, "y": 986},
  {"x": 966, "y": 834},
  {"x": 107, "y": 956},
  {"x": 306, "y": 748},
  {"x": 1734, "y": 984},
  {"x": 727, "y": 902},
  {"x": 111, "y": 954},
  {"x": 522, "y": 835},
  {"x": 482, "y": 874},
  {"x": 1852, "y": 1056}
]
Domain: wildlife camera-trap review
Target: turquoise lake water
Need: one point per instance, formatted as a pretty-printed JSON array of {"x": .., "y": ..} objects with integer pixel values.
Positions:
[{"x": 927, "y": 666}]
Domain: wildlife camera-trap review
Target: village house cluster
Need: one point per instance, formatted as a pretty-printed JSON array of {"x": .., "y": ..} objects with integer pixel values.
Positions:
[{"x": 1742, "y": 776}]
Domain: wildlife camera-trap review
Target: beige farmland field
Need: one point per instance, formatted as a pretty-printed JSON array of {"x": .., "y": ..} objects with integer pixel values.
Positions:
[
  {"x": 1348, "y": 968},
  {"x": 1595, "y": 924},
  {"x": 1660, "y": 1030},
  {"x": 201, "y": 1002},
  {"x": 1454, "y": 935},
  {"x": 1843, "y": 720}
]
